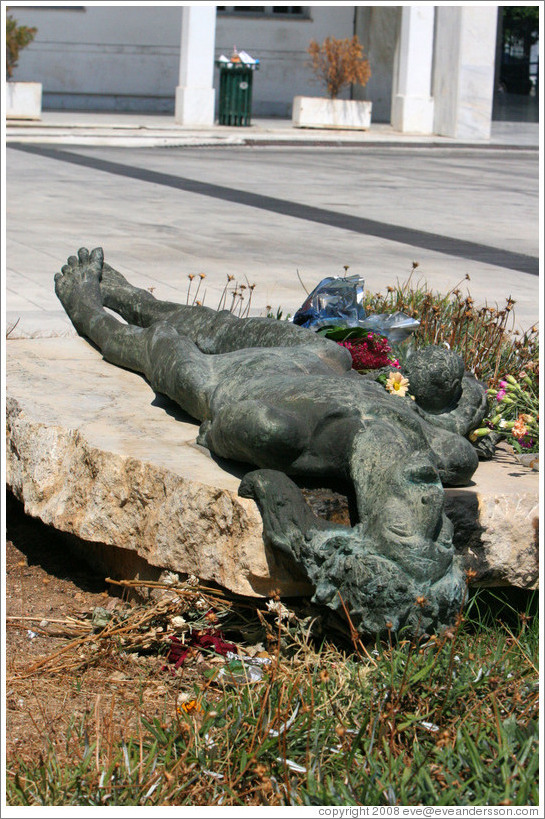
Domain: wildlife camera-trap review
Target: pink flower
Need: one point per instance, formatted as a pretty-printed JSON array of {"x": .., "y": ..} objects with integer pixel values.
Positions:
[
  {"x": 501, "y": 395},
  {"x": 526, "y": 443}
]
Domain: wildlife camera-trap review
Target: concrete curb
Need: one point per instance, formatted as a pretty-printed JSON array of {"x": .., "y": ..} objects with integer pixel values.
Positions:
[{"x": 163, "y": 132}]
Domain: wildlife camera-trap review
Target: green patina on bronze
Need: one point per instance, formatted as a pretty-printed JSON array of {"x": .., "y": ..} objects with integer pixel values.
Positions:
[{"x": 285, "y": 400}]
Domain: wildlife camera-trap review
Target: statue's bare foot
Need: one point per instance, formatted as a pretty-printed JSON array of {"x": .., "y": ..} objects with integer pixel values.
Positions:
[
  {"x": 78, "y": 287},
  {"x": 112, "y": 278},
  {"x": 116, "y": 291},
  {"x": 78, "y": 283}
]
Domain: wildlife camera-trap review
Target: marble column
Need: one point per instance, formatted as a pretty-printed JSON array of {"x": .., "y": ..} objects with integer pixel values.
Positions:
[
  {"x": 195, "y": 93},
  {"x": 412, "y": 104},
  {"x": 463, "y": 86},
  {"x": 378, "y": 30}
]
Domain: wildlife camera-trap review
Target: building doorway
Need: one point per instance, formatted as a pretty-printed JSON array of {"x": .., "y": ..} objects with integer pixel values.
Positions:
[{"x": 516, "y": 92}]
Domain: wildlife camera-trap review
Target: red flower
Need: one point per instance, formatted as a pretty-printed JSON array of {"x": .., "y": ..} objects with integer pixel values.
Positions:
[
  {"x": 199, "y": 639},
  {"x": 370, "y": 353}
]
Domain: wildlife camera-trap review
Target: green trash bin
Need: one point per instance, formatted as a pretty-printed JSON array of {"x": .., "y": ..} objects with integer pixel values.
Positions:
[{"x": 235, "y": 103}]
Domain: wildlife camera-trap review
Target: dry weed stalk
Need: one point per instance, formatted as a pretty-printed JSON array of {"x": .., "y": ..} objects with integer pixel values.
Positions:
[
  {"x": 12, "y": 327},
  {"x": 485, "y": 337},
  {"x": 240, "y": 302}
]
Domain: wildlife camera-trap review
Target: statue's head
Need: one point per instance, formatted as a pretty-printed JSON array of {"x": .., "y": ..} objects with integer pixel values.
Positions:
[
  {"x": 399, "y": 495},
  {"x": 401, "y": 550},
  {"x": 397, "y": 565},
  {"x": 435, "y": 375}
]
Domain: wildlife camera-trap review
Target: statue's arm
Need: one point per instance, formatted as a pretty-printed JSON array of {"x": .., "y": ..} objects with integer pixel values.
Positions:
[
  {"x": 288, "y": 521},
  {"x": 469, "y": 410}
]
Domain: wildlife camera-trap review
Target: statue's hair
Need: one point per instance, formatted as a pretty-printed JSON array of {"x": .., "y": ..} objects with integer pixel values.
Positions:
[{"x": 380, "y": 592}]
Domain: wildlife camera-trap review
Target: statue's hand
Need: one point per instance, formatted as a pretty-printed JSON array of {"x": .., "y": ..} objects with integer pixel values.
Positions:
[
  {"x": 486, "y": 447},
  {"x": 287, "y": 518}
]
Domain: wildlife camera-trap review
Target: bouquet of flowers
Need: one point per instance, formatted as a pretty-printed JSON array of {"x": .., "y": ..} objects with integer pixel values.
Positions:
[{"x": 514, "y": 412}]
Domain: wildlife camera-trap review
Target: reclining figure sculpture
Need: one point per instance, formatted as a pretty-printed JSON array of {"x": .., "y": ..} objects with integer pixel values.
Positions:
[{"x": 287, "y": 401}]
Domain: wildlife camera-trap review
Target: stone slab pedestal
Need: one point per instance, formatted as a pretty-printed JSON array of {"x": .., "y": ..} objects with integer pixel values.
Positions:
[
  {"x": 496, "y": 522},
  {"x": 94, "y": 452}
]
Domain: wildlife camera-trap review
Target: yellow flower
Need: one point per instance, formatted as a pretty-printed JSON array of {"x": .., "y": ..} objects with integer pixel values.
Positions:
[
  {"x": 397, "y": 384},
  {"x": 188, "y": 707}
]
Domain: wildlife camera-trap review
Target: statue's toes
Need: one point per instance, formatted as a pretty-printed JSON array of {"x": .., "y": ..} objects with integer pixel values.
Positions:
[
  {"x": 83, "y": 255},
  {"x": 63, "y": 283},
  {"x": 96, "y": 258}
]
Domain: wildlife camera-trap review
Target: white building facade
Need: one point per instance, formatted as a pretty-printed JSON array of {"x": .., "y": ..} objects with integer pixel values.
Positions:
[{"x": 432, "y": 66}]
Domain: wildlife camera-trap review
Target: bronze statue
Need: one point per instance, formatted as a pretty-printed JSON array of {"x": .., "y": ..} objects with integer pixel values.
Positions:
[{"x": 287, "y": 401}]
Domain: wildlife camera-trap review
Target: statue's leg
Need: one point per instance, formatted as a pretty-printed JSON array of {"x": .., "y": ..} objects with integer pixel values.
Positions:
[
  {"x": 78, "y": 289},
  {"x": 177, "y": 368},
  {"x": 172, "y": 363},
  {"x": 135, "y": 305},
  {"x": 214, "y": 332}
]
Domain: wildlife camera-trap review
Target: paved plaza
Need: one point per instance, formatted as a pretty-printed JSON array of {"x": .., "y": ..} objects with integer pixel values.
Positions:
[{"x": 274, "y": 207}]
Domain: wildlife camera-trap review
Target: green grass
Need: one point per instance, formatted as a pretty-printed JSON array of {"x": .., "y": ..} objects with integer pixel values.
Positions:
[{"x": 446, "y": 720}]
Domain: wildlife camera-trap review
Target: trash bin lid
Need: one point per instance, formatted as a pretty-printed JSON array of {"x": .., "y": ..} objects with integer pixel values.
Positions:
[{"x": 244, "y": 60}]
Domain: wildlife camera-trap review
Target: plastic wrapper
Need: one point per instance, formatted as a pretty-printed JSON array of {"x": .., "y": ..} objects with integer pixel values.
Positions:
[
  {"x": 396, "y": 327},
  {"x": 338, "y": 302},
  {"x": 334, "y": 302}
]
